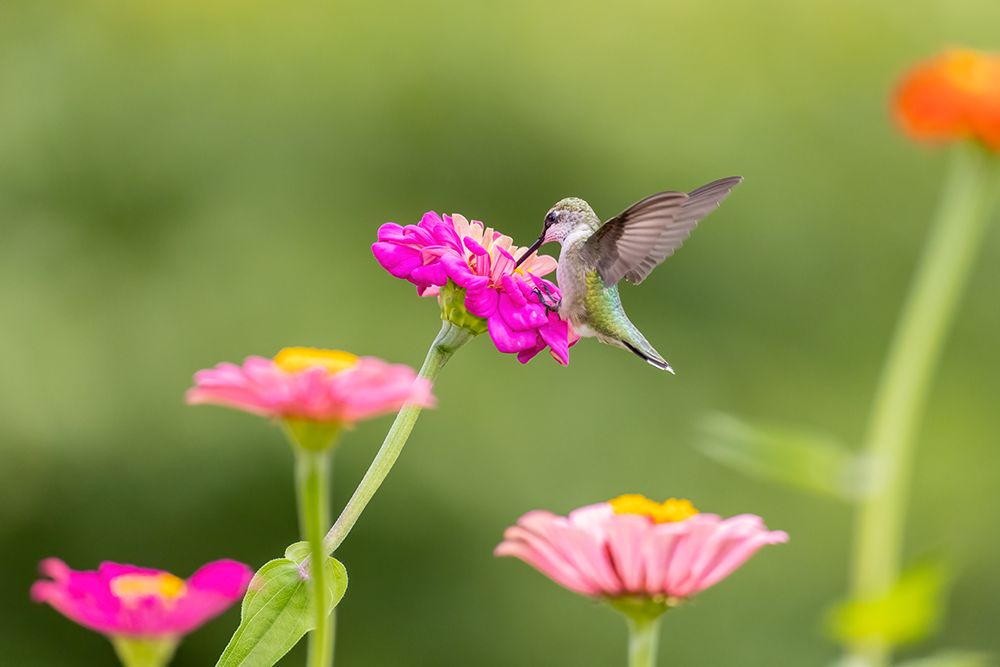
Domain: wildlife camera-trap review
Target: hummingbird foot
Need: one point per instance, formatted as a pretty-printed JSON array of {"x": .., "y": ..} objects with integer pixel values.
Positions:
[{"x": 547, "y": 299}]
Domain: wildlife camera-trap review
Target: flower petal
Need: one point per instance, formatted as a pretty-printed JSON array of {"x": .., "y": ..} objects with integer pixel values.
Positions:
[{"x": 596, "y": 551}]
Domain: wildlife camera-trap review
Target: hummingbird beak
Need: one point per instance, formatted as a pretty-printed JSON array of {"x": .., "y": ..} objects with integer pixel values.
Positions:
[{"x": 527, "y": 253}]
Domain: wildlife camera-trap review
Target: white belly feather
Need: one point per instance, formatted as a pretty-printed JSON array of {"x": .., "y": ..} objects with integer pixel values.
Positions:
[{"x": 571, "y": 276}]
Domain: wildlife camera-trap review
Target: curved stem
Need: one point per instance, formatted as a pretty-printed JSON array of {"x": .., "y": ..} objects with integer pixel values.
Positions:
[
  {"x": 448, "y": 340},
  {"x": 643, "y": 638},
  {"x": 903, "y": 387},
  {"x": 312, "y": 484}
]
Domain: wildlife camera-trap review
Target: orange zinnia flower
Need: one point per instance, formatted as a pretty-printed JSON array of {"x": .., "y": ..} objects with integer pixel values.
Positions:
[{"x": 955, "y": 95}]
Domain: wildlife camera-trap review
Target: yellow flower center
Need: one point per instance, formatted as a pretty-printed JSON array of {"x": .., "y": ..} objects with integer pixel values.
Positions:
[
  {"x": 296, "y": 359},
  {"x": 131, "y": 587},
  {"x": 670, "y": 510}
]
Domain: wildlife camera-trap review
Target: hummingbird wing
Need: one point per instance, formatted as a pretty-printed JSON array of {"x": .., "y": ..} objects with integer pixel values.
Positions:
[{"x": 637, "y": 240}]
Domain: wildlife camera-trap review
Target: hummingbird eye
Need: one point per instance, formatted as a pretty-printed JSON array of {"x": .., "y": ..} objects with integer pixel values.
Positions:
[{"x": 550, "y": 219}]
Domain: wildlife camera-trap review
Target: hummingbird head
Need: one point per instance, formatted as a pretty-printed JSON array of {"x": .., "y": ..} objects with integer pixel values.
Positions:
[{"x": 566, "y": 217}]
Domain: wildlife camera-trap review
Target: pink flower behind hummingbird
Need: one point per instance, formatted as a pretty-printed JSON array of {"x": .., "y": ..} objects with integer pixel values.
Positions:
[
  {"x": 129, "y": 601},
  {"x": 481, "y": 261},
  {"x": 634, "y": 547},
  {"x": 327, "y": 386}
]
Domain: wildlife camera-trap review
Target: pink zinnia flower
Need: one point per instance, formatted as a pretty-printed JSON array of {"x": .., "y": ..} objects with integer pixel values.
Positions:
[
  {"x": 494, "y": 243},
  {"x": 125, "y": 601},
  {"x": 413, "y": 252},
  {"x": 480, "y": 260},
  {"x": 306, "y": 384},
  {"x": 634, "y": 547}
]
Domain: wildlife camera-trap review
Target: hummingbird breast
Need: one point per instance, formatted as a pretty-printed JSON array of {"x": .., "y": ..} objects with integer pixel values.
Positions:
[
  {"x": 571, "y": 274},
  {"x": 593, "y": 308}
]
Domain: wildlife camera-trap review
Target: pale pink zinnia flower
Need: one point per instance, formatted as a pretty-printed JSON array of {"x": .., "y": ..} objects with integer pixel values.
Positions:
[
  {"x": 328, "y": 386},
  {"x": 129, "y": 602},
  {"x": 480, "y": 260},
  {"x": 634, "y": 547}
]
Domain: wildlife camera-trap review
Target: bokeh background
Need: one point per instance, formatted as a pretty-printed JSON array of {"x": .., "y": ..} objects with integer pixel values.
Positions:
[{"x": 188, "y": 182}]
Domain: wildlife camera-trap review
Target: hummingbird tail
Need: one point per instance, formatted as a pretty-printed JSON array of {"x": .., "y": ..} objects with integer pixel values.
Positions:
[{"x": 650, "y": 356}]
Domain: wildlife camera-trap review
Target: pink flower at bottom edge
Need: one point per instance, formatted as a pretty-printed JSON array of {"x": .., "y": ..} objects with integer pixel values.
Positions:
[
  {"x": 632, "y": 547},
  {"x": 129, "y": 601}
]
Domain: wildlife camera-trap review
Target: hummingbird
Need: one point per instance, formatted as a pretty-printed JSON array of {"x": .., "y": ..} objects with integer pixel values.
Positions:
[{"x": 595, "y": 257}]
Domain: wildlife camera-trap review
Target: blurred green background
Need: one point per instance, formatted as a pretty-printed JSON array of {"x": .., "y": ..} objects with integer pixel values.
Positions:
[{"x": 187, "y": 182}]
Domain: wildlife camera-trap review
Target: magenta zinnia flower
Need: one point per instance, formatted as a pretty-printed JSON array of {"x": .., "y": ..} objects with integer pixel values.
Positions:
[
  {"x": 127, "y": 602},
  {"x": 480, "y": 261},
  {"x": 414, "y": 252},
  {"x": 306, "y": 384},
  {"x": 633, "y": 547}
]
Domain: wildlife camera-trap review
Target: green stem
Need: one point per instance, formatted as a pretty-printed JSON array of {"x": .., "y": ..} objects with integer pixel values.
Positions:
[
  {"x": 448, "y": 340},
  {"x": 312, "y": 484},
  {"x": 903, "y": 387},
  {"x": 643, "y": 637}
]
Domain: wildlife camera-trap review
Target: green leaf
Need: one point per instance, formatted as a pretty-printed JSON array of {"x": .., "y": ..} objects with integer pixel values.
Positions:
[
  {"x": 297, "y": 552},
  {"x": 952, "y": 659},
  {"x": 804, "y": 459},
  {"x": 276, "y": 610},
  {"x": 908, "y": 612}
]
